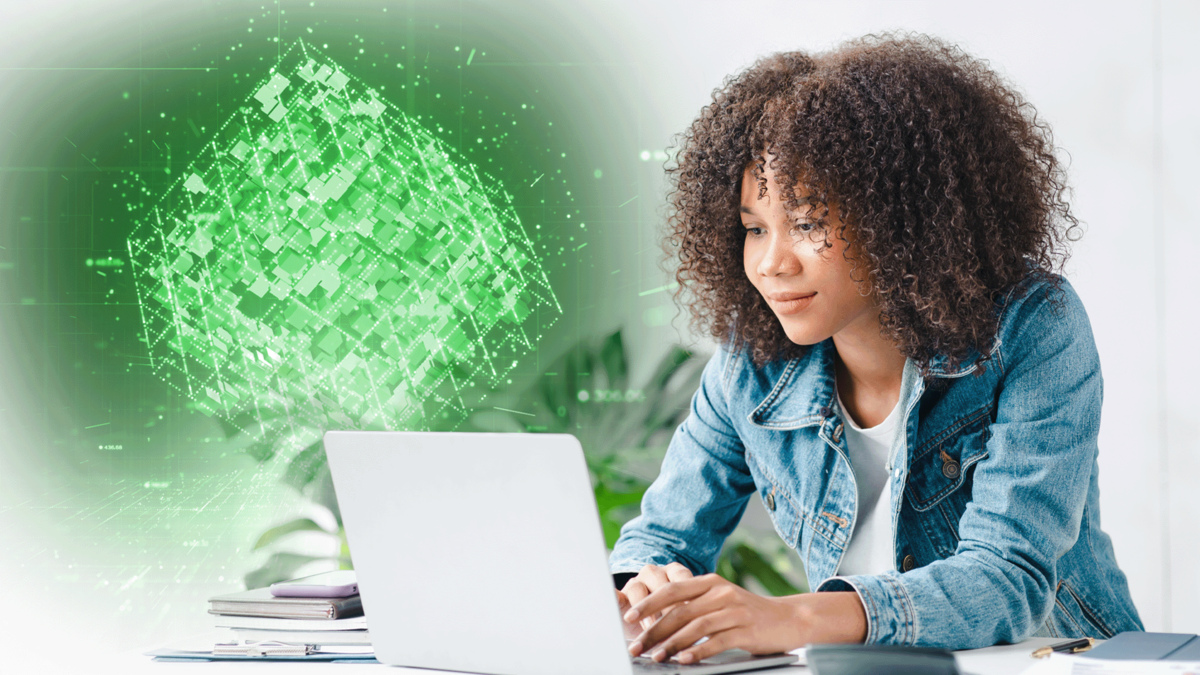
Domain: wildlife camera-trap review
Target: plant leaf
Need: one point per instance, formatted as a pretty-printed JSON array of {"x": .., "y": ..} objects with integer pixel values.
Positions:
[
  {"x": 727, "y": 569},
  {"x": 670, "y": 406},
  {"x": 260, "y": 451},
  {"x": 304, "y": 466},
  {"x": 608, "y": 501},
  {"x": 753, "y": 564},
  {"x": 279, "y": 567},
  {"x": 344, "y": 552},
  {"x": 496, "y": 421},
  {"x": 612, "y": 355},
  {"x": 671, "y": 362},
  {"x": 320, "y": 491},
  {"x": 279, "y": 531}
]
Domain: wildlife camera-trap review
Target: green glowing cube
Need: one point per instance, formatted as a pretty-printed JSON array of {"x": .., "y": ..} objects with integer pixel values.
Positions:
[{"x": 328, "y": 260}]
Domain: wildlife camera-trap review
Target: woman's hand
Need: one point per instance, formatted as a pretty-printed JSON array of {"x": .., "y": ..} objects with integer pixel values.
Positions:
[
  {"x": 732, "y": 617},
  {"x": 650, "y": 579}
]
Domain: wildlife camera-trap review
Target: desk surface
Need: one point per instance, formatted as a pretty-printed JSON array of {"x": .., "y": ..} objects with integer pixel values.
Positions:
[{"x": 1001, "y": 660}]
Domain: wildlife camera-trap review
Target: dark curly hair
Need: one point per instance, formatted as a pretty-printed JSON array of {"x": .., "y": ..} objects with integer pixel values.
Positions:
[{"x": 944, "y": 174}]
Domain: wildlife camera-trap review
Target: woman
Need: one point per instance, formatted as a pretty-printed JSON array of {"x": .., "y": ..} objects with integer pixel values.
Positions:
[{"x": 872, "y": 235}]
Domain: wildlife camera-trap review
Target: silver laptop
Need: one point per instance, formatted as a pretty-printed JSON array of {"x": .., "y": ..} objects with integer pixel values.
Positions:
[{"x": 483, "y": 553}]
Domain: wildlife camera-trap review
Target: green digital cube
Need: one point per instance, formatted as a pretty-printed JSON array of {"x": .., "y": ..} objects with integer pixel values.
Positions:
[{"x": 328, "y": 256}]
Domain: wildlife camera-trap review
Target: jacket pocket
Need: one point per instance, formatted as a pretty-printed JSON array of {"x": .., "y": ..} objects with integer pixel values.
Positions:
[
  {"x": 1071, "y": 603},
  {"x": 785, "y": 515},
  {"x": 942, "y": 465}
]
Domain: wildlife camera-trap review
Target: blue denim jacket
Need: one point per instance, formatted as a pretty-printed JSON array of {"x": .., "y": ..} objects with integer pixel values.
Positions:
[{"x": 995, "y": 504}]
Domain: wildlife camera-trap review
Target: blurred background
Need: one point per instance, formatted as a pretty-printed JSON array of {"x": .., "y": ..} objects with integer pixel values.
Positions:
[{"x": 123, "y": 506}]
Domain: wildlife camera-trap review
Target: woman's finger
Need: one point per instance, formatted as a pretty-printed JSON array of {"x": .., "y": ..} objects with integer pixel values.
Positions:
[
  {"x": 703, "y": 625},
  {"x": 677, "y": 572},
  {"x": 715, "y": 644},
  {"x": 631, "y": 630},
  {"x": 635, "y": 591},
  {"x": 671, "y": 594},
  {"x": 676, "y": 620},
  {"x": 654, "y": 577},
  {"x": 623, "y": 603}
]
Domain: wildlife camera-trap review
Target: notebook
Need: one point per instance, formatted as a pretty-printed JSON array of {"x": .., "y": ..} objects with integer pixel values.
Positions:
[
  {"x": 1138, "y": 646},
  {"x": 260, "y": 602}
]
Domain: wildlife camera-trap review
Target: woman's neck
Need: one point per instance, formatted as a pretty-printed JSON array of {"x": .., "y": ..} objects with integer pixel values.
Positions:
[{"x": 869, "y": 368}]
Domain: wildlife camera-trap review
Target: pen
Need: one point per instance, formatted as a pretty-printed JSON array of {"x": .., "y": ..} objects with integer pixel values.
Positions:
[
  {"x": 270, "y": 648},
  {"x": 1072, "y": 647}
]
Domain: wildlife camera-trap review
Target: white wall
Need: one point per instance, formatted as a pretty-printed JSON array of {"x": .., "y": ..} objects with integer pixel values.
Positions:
[
  {"x": 1117, "y": 82},
  {"x": 1180, "y": 278}
]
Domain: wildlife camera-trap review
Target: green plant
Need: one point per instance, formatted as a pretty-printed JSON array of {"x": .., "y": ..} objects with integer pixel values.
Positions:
[
  {"x": 741, "y": 562},
  {"x": 308, "y": 473},
  {"x": 586, "y": 392}
]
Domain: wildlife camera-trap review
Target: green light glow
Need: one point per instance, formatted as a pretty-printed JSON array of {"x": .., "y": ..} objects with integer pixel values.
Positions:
[{"x": 329, "y": 263}]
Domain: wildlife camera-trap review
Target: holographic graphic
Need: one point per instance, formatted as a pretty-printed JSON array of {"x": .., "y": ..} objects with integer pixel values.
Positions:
[{"x": 328, "y": 263}]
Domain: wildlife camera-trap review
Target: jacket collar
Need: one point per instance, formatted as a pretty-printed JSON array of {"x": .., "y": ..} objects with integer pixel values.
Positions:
[
  {"x": 805, "y": 390},
  {"x": 811, "y": 373}
]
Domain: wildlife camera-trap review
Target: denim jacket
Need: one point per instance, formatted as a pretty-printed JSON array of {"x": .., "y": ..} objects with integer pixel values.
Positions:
[{"x": 995, "y": 504}]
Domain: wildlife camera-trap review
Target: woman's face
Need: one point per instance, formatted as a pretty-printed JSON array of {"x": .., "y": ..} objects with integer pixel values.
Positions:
[{"x": 806, "y": 284}]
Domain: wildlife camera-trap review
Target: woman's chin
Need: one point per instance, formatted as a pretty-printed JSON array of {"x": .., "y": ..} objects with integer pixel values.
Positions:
[{"x": 803, "y": 337}]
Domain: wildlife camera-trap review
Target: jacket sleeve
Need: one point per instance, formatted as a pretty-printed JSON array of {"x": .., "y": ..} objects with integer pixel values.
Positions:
[
  {"x": 701, "y": 490},
  {"x": 1027, "y": 498}
]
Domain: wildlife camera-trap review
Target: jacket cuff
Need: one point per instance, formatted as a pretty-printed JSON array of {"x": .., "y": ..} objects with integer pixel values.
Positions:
[
  {"x": 891, "y": 618},
  {"x": 635, "y": 560}
]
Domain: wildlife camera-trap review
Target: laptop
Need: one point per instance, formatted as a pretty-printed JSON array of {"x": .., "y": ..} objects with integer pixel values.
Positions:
[{"x": 483, "y": 553}]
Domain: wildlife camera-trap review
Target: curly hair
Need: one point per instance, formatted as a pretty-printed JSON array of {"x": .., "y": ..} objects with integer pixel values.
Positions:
[{"x": 944, "y": 174}]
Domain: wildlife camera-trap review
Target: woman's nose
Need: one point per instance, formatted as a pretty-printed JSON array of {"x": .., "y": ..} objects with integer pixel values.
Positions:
[{"x": 780, "y": 258}]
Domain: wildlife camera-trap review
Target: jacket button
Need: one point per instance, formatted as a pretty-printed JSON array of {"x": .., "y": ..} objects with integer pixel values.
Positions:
[
  {"x": 771, "y": 501},
  {"x": 909, "y": 563},
  {"x": 950, "y": 469}
]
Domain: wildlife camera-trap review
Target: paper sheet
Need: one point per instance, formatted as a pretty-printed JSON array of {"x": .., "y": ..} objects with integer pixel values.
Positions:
[{"x": 1066, "y": 664}]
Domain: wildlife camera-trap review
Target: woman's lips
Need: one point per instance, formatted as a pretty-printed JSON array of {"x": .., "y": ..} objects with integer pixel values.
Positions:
[{"x": 790, "y": 303}]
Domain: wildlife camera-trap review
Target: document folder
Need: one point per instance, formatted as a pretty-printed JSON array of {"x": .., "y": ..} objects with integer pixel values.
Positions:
[{"x": 263, "y": 652}]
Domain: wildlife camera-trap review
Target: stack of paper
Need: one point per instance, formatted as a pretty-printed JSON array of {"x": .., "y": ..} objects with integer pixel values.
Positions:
[
  {"x": 247, "y": 629},
  {"x": 256, "y": 616}
]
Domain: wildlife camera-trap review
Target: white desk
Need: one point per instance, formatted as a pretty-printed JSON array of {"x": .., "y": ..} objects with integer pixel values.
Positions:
[{"x": 1002, "y": 660}]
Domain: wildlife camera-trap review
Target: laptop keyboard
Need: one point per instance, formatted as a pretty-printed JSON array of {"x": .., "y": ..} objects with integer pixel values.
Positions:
[
  {"x": 734, "y": 660},
  {"x": 642, "y": 664}
]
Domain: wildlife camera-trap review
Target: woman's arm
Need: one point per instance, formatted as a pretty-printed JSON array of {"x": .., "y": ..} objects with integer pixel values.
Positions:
[
  {"x": 693, "y": 505},
  {"x": 732, "y": 617},
  {"x": 700, "y": 493}
]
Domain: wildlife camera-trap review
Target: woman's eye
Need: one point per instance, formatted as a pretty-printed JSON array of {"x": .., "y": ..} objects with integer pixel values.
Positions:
[
  {"x": 805, "y": 227},
  {"x": 755, "y": 231}
]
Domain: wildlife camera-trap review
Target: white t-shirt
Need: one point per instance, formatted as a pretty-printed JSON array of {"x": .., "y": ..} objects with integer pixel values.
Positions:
[{"x": 870, "y": 549}]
